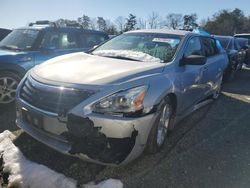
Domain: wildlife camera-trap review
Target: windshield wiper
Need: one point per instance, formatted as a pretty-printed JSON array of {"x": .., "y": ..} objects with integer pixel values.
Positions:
[{"x": 121, "y": 57}]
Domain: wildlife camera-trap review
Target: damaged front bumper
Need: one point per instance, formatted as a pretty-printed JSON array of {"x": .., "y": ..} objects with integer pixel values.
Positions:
[{"x": 97, "y": 138}]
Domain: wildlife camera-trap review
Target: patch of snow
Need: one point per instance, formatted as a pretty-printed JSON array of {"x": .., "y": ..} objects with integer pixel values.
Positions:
[
  {"x": 25, "y": 173},
  {"x": 136, "y": 55},
  {"x": 110, "y": 183}
]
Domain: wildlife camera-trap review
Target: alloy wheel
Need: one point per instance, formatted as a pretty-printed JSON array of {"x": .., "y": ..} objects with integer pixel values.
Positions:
[
  {"x": 8, "y": 88},
  {"x": 162, "y": 128}
]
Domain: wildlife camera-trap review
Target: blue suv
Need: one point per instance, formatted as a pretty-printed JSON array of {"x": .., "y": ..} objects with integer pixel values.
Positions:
[{"x": 26, "y": 47}]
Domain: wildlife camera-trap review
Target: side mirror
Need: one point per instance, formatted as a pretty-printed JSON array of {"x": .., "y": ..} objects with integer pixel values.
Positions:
[{"x": 194, "y": 60}]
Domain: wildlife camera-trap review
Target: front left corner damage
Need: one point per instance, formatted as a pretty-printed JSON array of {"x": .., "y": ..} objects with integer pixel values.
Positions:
[{"x": 87, "y": 139}]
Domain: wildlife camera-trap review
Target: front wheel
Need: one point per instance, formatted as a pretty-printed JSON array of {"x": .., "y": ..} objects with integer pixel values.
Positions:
[
  {"x": 160, "y": 129},
  {"x": 8, "y": 85}
]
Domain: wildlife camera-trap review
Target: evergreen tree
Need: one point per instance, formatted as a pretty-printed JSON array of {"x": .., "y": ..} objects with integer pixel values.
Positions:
[
  {"x": 227, "y": 22},
  {"x": 84, "y": 21},
  {"x": 131, "y": 23}
]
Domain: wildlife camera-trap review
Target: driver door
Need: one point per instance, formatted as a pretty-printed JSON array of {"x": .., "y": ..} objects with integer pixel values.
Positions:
[{"x": 193, "y": 76}]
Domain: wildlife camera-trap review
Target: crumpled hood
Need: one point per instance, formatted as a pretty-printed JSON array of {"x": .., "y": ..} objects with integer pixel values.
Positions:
[{"x": 82, "y": 68}]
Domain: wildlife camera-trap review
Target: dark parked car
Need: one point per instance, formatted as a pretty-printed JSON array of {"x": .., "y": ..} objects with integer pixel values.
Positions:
[
  {"x": 123, "y": 97},
  {"x": 244, "y": 45},
  {"x": 243, "y": 35},
  {"x": 236, "y": 55},
  {"x": 4, "y": 33},
  {"x": 26, "y": 47}
]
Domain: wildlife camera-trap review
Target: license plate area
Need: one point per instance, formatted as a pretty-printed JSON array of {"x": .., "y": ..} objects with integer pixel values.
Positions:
[{"x": 33, "y": 119}]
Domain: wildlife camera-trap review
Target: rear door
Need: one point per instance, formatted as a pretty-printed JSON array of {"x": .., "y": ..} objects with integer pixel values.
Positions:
[{"x": 213, "y": 69}]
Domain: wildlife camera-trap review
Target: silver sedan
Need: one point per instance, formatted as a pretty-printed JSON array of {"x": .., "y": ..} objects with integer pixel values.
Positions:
[{"x": 108, "y": 105}]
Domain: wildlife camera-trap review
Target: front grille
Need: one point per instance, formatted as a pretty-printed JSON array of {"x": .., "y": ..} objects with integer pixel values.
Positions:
[{"x": 50, "y": 98}]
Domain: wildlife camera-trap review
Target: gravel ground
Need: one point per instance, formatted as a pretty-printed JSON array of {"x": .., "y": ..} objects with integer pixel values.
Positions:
[
  {"x": 210, "y": 148},
  {"x": 8, "y": 118}
]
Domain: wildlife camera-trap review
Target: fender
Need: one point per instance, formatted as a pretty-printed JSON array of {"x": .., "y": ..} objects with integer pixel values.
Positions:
[{"x": 13, "y": 68}]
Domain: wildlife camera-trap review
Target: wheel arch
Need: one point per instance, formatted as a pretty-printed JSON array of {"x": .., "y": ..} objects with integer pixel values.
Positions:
[{"x": 12, "y": 68}]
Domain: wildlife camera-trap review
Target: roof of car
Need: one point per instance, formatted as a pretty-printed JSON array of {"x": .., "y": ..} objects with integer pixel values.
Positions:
[
  {"x": 223, "y": 36},
  {"x": 242, "y": 39},
  {"x": 48, "y": 27},
  {"x": 163, "y": 31},
  {"x": 242, "y": 34}
]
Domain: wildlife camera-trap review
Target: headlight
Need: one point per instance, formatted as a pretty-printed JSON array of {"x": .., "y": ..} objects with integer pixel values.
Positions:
[{"x": 128, "y": 101}]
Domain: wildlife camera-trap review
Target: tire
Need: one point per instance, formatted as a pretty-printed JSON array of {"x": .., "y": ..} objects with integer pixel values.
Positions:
[
  {"x": 155, "y": 140},
  {"x": 8, "y": 85}
]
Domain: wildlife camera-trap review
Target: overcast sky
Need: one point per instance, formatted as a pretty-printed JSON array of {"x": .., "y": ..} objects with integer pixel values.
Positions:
[{"x": 16, "y": 13}]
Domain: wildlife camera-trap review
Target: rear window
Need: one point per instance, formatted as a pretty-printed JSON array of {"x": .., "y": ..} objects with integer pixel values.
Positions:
[
  {"x": 209, "y": 46},
  {"x": 224, "y": 42}
]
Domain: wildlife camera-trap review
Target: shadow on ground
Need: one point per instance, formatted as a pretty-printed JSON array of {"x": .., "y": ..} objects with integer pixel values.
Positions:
[{"x": 8, "y": 118}]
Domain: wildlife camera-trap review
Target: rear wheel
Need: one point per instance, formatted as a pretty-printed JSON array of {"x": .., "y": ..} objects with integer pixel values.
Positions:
[
  {"x": 8, "y": 85},
  {"x": 160, "y": 129}
]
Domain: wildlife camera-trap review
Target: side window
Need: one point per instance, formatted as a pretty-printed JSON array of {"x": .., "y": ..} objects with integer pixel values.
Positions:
[
  {"x": 89, "y": 40},
  {"x": 50, "y": 41},
  {"x": 101, "y": 38},
  {"x": 236, "y": 44},
  {"x": 193, "y": 47},
  {"x": 209, "y": 47},
  {"x": 68, "y": 41},
  {"x": 57, "y": 40},
  {"x": 231, "y": 45}
]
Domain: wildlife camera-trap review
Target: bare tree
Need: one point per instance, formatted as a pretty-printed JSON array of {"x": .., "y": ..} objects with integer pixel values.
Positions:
[
  {"x": 141, "y": 23},
  {"x": 174, "y": 21},
  {"x": 153, "y": 20},
  {"x": 92, "y": 23},
  {"x": 120, "y": 23},
  {"x": 203, "y": 22},
  {"x": 190, "y": 21},
  {"x": 111, "y": 28}
]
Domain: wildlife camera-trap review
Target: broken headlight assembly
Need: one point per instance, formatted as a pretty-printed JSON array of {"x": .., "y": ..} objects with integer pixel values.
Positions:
[{"x": 124, "y": 102}]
